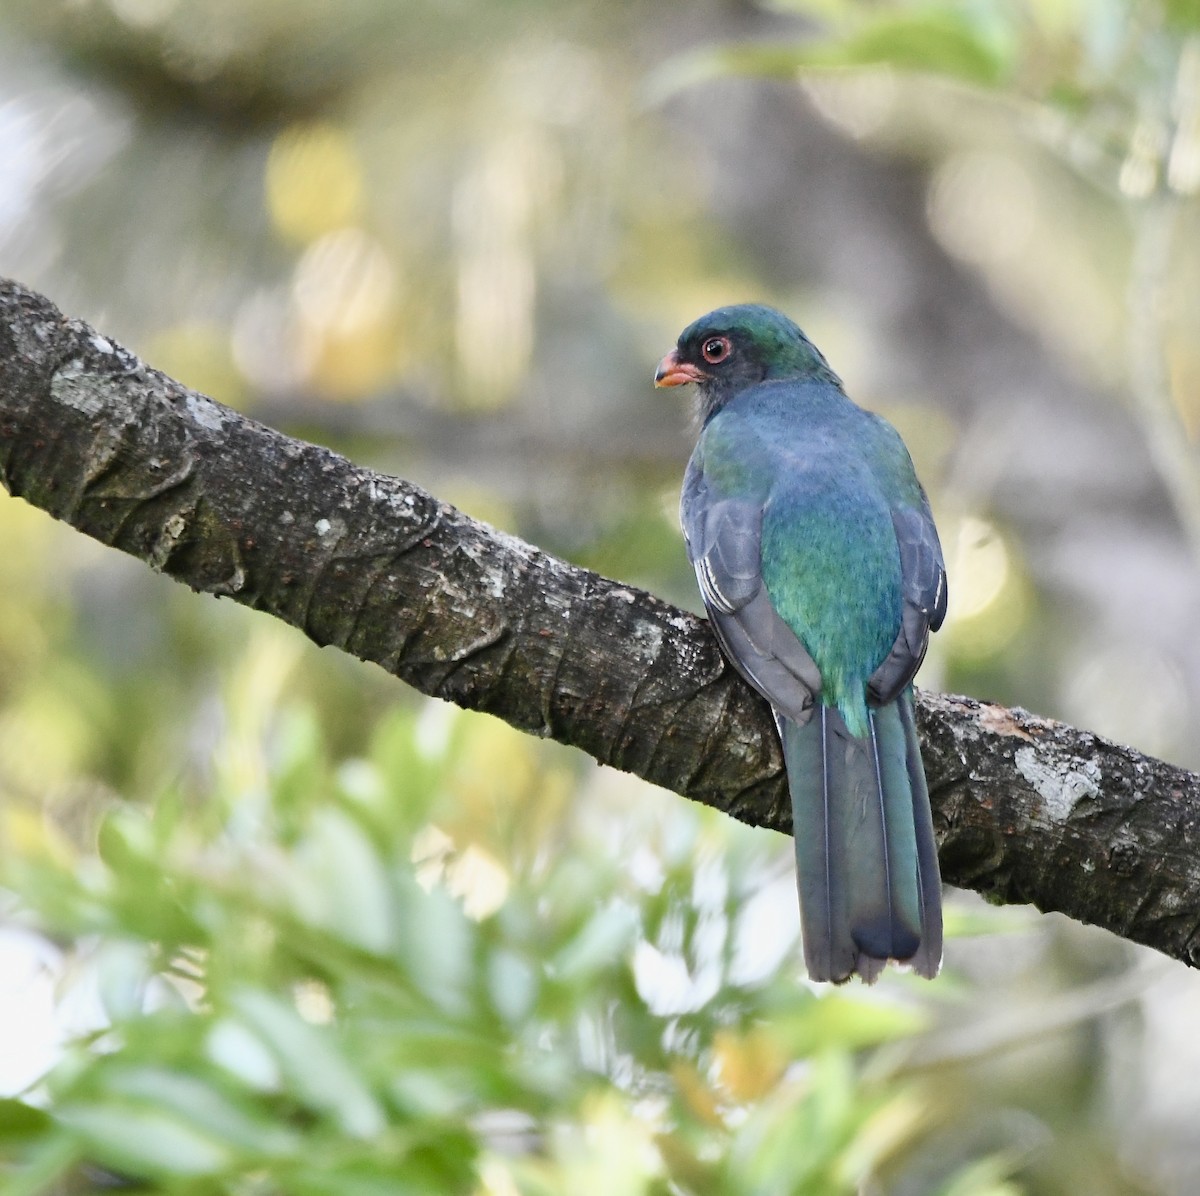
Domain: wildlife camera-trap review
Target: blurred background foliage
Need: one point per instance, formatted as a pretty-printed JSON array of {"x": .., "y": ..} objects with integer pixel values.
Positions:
[{"x": 271, "y": 924}]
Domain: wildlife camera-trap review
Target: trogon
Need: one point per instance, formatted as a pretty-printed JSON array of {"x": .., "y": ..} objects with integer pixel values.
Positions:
[{"x": 821, "y": 571}]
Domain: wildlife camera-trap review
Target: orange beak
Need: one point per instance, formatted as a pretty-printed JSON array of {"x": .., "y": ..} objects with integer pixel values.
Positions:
[{"x": 673, "y": 372}]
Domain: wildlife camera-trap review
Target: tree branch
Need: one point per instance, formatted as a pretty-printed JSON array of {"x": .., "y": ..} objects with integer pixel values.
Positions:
[{"x": 1027, "y": 810}]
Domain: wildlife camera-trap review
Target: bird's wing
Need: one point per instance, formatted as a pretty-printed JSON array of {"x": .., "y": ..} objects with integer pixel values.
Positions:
[
  {"x": 724, "y": 543},
  {"x": 923, "y": 590}
]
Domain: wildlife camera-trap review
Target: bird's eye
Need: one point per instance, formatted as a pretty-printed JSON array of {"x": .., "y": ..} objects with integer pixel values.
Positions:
[{"x": 716, "y": 349}]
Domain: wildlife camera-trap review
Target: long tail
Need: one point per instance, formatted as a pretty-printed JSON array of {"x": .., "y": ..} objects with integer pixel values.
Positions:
[{"x": 866, "y": 859}]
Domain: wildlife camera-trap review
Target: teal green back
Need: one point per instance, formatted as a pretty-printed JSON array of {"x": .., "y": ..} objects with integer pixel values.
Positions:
[{"x": 828, "y": 475}]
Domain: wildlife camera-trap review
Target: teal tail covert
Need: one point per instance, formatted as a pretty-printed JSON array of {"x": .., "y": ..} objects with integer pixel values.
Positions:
[{"x": 822, "y": 574}]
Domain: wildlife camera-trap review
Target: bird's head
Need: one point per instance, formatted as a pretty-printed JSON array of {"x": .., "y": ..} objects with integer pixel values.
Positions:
[{"x": 735, "y": 347}]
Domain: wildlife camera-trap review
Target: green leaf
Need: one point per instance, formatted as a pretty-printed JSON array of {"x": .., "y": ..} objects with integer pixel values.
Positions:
[
  {"x": 513, "y": 985},
  {"x": 438, "y": 942},
  {"x": 19, "y": 1121},
  {"x": 935, "y": 42},
  {"x": 42, "y": 1167},
  {"x": 145, "y": 1142},
  {"x": 340, "y": 883},
  {"x": 234, "y": 1047},
  {"x": 852, "y": 1023},
  {"x": 984, "y": 1177},
  {"x": 351, "y": 1181},
  {"x": 204, "y": 1106},
  {"x": 425, "y": 1093},
  {"x": 312, "y": 1066},
  {"x": 1183, "y": 14},
  {"x": 126, "y": 843},
  {"x": 603, "y": 941}
]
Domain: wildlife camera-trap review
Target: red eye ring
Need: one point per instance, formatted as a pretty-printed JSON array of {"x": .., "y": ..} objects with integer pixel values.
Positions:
[{"x": 716, "y": 349}]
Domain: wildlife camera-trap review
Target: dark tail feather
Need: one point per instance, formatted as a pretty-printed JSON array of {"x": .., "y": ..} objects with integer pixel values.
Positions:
[
  {"x": 928, "y": 959},
  {"x": 865, "y": 856},
  {"x": 821, "y": 864}
]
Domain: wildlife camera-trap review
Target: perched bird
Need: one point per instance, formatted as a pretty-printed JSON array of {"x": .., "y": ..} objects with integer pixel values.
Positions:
[{"x": 822, "y": 574}]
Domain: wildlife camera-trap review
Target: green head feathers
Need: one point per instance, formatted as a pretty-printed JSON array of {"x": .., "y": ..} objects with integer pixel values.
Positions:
[{"x": 735, "y": 347}]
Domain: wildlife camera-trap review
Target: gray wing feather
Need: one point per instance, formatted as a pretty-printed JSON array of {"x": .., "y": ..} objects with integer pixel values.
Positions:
[
  {"x": 724, "y": 542},
  {"x": 727, "y": 558},
  {"x": 923, "y": 589}
]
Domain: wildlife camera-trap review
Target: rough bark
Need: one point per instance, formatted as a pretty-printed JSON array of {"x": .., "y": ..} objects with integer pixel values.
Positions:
[{"x": 1027, "y": 810}]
